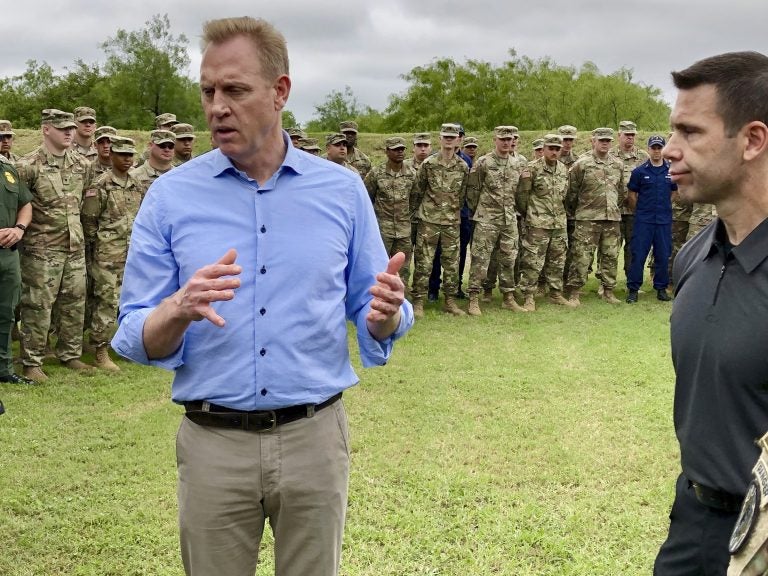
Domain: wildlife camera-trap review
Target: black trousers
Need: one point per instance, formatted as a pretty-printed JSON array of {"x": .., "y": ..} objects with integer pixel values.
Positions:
[{"x": 697, "y": 544}]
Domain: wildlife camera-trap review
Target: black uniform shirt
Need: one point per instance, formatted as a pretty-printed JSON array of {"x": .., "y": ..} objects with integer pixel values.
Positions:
[{"x": 719, "y": 334}]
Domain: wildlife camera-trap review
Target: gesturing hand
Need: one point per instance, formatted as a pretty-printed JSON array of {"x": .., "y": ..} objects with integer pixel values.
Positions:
[
  {"x": 208, "y": 284},
  {"x": 388, "y": 293}
]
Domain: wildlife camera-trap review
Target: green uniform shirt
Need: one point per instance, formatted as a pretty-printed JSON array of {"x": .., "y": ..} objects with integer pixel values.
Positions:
[
  {"x": 631, "y": 160},
  {"x": 13, "y": 194},
  {"x": 359, "y": 160},
  {"x": 390, "y": 193},
  {"x": 491, "y": 188},
  {"x": 145, "y": 175},
  {"x": 541, "y": 194},
  {"x": 440, "y": 190},
  {"x": 595, "y": 187}
]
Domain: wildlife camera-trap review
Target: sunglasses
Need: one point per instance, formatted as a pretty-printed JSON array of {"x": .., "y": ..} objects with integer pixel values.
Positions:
[{"x": 166, "y": 146}]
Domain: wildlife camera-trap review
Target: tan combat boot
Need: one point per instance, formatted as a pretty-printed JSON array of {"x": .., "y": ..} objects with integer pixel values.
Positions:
[
  {"x": 103, "y": 361},
  {"x": 609, "y": 297},
  {"x": 510, "y": 303},
  {"x": 601, "y": 290},
  {"x": 573, "y": 297},
  {"x": 488, "y": 295},
  {"x": 557, "y": 298},
  {"x": 530, "y": 304},
  {"x": 35, "y": 373},
  {"x": 450, "y": 307},
  {"x": 418, "y": 308},
  {"x": 474, "y": 305},
  {"x": 78, "y": 365}
]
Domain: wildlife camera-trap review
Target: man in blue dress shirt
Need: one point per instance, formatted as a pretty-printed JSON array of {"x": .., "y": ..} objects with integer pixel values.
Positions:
[
  {"x": 650, "y": 196},
  {"x": 245, "y": 265}
]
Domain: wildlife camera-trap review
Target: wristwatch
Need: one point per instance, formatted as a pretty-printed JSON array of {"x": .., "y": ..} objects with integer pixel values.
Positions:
[{"x": 21, "y": 227}]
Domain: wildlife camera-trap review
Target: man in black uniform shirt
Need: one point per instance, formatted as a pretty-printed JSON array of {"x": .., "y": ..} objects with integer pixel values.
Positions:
[{"x": 718, "y": 153}]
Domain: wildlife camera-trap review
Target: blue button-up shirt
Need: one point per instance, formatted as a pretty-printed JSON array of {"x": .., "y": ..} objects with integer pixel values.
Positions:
[
  {"x": 309, "y": 247},
  {"x": 654, "y": 193}
]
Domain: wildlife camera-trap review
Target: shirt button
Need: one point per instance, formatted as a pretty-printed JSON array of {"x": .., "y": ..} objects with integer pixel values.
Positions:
[
  {"x": 263, "y": 270},
  {"x": 263, "y": 229},
  {"x": 263, "y": 391},
  {"x": 263, "y": 311},
  {"x": 263, "y": 351}
]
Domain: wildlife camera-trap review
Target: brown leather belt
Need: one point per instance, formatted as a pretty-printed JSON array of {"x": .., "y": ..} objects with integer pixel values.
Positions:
[{"x": 206, "y": 414}]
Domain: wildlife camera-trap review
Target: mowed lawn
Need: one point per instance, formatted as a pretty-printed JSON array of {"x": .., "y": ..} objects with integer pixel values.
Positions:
[{"x": 508, "y": 444}]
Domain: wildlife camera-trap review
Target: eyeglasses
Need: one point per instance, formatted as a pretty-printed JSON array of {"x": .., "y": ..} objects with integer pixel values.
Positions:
[
  {"x": 86, "y": 122},
  {"x": 165, "y": 146}
]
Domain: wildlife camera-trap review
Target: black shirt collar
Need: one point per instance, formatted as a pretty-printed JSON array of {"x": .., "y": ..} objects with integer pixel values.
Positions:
[{"x": 750, "y": 253}]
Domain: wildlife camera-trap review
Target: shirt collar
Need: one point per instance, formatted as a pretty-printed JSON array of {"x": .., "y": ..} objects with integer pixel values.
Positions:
[
  {"x": 750, "y": 253},
  {"x": 293, "y": 160}
]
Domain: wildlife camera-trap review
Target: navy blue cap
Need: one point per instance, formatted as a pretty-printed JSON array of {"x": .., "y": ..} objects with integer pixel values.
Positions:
[
  {"x": 461, "y": 128},
  {"x": 656, "y": 140}
]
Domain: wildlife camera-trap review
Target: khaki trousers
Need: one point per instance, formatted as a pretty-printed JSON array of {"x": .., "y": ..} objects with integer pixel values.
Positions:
[{"x": 230, "y": 481}]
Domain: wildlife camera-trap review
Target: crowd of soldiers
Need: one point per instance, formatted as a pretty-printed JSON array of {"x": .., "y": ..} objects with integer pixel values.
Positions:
[{"x": 532, "y": 226}]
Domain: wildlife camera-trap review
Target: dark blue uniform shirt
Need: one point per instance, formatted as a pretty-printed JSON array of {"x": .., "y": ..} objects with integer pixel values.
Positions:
[{"x": 653, "y": 187}]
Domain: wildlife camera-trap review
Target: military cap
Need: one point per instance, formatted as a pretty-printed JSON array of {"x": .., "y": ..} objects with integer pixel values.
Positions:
[
  {"x": 394, "y": 142},
  {"x": 602, "y": 133},
  {"x": 553, "y": 140},
  {"x": 85, "y": 113},
  {"x": 656, "y": 140},
  {"x": 336, "y": 138},
  {"x": 567, "y": 131},
  {"x": 183, "y": 131},
  {"x": 628, "y": 127},
  {"x": 461, "y": 128},
  {"x": 348, "y": 126},
  {"x": 162, "y": 137},
  {"x": 58, "y": 119},
  {"x": 166, "y": 118},
  {"x": 104, "y": 132},
  {"x": 308, "y": 144},
  {"x": 505, "y": 131},
  {"x": 470, "y": 141},
  {"x": 295, "y": 131},
  {"x": 449, "y": 130},
  {"x": 122, "y": 145},
  {"x": 422, "y": 138},
  {"x": 6, "y": 129},
  {"x": 538, "y": 144}
]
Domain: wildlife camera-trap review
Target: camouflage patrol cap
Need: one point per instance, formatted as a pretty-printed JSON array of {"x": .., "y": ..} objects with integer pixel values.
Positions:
[
  {"x": 449, "y": 130},
  {"x": 58, "y": 119},
  {"x": 122, "y": 145},
  {"x": 394, "y": 142},
  {"x": 183, "y": 131},
  {"x": 104, "y": 132},
  {"x": 162, "y": 137},
  {"x": 6, "y": 129},
  {"x": 296, "y": 132},
  {"x": 422, "y": 138},
  {"x": 553, "y": 140},
  {"x": 84, "y": 113},
  {"x": 538, "y": 144},
  {"x": 505, "y": 131},
  {"x": 165, "y": 118},
  {"x": 336, "y": 138},
  {"x": 470, "y": 141},
  {"x": 602, "y": 133},
  {"x": 348, "y": 126},
  {"x": 308, "y": 144},
  {"x": 627, "y": 127},
  {"x": 567, "y": 131}
]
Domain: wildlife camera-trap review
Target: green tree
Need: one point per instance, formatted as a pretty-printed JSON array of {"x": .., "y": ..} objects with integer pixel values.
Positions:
[
  {"x": 337, "y": 107},
  {"x": 289, "y": 120}
]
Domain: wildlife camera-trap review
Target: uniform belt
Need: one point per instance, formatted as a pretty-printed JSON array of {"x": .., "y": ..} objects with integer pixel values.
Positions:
[
  {"x": 718, "y": 499},
  {"x": 206, "y": 414},
  {"x": 12, "y": 248}
]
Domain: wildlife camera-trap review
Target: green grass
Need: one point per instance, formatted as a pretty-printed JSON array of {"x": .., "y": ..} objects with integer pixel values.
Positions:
[{"x": 509, "y": 444}]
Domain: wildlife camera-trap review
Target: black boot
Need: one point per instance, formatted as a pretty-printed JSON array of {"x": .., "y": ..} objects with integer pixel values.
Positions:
[{"x": 663, "y": 296}]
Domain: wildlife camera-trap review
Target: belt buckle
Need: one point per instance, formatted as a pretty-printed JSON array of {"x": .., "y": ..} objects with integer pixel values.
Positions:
[
  {"x": 246, "y": 424},
  {"x": 273, "y": 415}
]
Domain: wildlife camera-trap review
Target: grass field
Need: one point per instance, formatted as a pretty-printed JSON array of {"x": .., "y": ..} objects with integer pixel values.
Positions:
[{"x": 510, "y": 444}]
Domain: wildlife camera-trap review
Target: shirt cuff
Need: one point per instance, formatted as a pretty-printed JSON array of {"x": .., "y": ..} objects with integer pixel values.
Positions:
[
  {"x": 374, "y": 352},
  {"x": 129, "y": 342}
]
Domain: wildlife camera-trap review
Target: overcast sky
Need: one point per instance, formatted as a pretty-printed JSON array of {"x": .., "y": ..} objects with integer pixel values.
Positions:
[{"x": 367, "y": 45}]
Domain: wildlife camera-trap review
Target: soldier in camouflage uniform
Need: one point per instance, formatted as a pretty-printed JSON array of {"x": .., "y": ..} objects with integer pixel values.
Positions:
[
  {"x": 309, "y": 145},
  {"x": 491, "y": 195},
  {"x": 439, "y": 192},
  {"x": 422, "y": 149},
  {"x": 681, "y": 213},
  {"x": 336, "y": 151},
  {"x": 101, "y": 140},
  {"x": 469, "y": 147},
  {"x": 6, "y": 141},
  {"x": 567, "y": 156},
  {"x": 295, "y": 134},
  {"x": 389, "y": 186},
  {"x": 595, "y": 186},
  {"x": 53, "y": 264},
  {"x": 164, "y": 121},
  {"x": 159, "y": 161},
  {"x": 538, "y": 148},
  {"x": 107, "y": 218},
  {"x": 701, "y": 215},
  {"x": 355, "y": 156},
  {"x": 541, "y": 201},
  {"x": 185, "y": 140},
  {"x": 85, "y": 118}
]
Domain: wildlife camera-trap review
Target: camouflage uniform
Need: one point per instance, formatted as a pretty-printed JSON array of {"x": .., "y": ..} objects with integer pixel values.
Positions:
[
  {"x": 360, "y": 161},
  {"x": 595, "y": 187},
  {"x": 631, "y": 160},
  {"x": 167, "y": 120},
  {"x": 390, "y": 193},
  {"x": 108, "y": 216},
  {"x": 541, "y": 197},
  {"x": 90, "y": 153},
  {"x": 701, "y": 215},
  {"x": 439, "y": 192},
  {"x": 145, "y": 175},
  {"x": 568, "y": 158},
  {"x": 491, "y": 191},
  {"x": 681, "y": 212},
  {"x": 53, "y": 263},
  {"x": 183, "y": 132},
  {"x": 6, "y": 129}
]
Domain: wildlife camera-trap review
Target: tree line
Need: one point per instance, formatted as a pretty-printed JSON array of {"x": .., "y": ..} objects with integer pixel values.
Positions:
[{"x": 145, "y": 73}]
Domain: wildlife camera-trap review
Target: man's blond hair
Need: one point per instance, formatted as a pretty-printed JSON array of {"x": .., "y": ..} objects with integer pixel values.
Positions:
[{"x": 269, "y": 42}]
